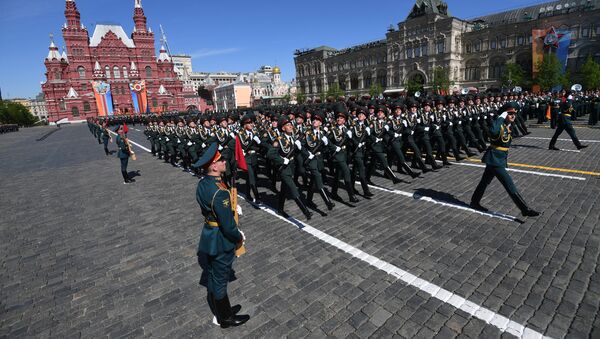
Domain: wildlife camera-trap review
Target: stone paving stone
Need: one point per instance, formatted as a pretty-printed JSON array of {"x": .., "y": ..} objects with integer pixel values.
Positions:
[{"x": 114, "y": 259}]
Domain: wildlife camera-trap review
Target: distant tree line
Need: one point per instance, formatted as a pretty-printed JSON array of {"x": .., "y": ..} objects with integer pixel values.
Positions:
[{"x": 16, "y": 113}]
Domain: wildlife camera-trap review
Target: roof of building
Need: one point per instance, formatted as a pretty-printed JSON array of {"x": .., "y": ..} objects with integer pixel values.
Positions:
[
  {"x": 537, "y": 11},
  {"x": 101, "y": 30},
  {"x": 423, "y": 7}
]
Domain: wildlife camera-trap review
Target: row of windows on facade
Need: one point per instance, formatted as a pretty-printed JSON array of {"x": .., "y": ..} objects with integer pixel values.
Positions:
[
  {"x": 411, "y": 52},
  {"x": 116, "y": 72},
  {"x": 344, "y": 86},
  {"x": 87, "y": 107}
]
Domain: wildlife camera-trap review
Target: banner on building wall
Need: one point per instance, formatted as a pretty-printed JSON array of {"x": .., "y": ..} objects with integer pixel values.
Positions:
[
  {"x": 545, "y": 41},
  {"x": 139, "y": 96},
  {"x": 103, "y": 96}
]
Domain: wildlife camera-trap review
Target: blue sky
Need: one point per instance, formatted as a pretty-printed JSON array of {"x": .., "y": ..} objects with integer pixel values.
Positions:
[{"x": 220, "y": 35}]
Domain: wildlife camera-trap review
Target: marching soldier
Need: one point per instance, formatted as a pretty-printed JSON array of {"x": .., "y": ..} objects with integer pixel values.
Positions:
[
  {"x": 106, "y": 137},
  {"x": 123, "y": 154},
  {"x": 338, "y": 143},
  {"x": 495, "y": 159},
  {"x": 379, "y": 138},
  {"x": 219, "y": 238},
  {"x": 360, "y": 137},
  {"x": 250, "y": 143},
  {"x": 563, "y": 123}
]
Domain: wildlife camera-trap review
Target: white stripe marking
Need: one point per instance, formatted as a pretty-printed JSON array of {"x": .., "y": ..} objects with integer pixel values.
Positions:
[
  {"x": 492, "y": 318},
  {"x": 447, "y": 204},
  {"x": 541, "y": 138},
  {"x": 137, "y": 129},
  {"x": 528, "y": 172},
  {"x": 135, "y": 143}
]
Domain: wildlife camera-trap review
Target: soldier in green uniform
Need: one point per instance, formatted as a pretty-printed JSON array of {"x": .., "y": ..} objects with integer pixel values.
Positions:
[
  {"x": 106, "y": 137},
  {"x": 250, "y": 142},
  {"x": 338, "y": 141},
  {"x": 495, "y": 159},
  {"x": 563, "y": 123},
  {"x": 219, "y": 238},
  {"x": 123, "y": 154}
]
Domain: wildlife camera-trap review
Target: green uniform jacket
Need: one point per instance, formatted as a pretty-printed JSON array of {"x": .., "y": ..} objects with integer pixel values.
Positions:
[
  {"x": 214, "y": 200},
  {"x": 123, "y": 148},
  {"x": 501, "y": 137}
]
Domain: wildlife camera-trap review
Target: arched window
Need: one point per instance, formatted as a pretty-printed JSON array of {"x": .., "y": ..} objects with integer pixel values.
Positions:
[
  {"x": 477, "y": 45},
  {"x": 441, "y": 46},
  {"x": 107, "y": 71},
  {"x": 154, "y": 102},
  {"x": 165, "y": 106},
  {"x": 81, "y": 72},
  {"x": 116, "y": 72},
  {"x": 472, "y": 71},
  {"x": 125, "y": 72},
  {"x": 57, "y": 75},
  {"x": 148, "y": 72},
  {"x": 75, "y": 111},
  {"x": 469, "y": 47},
  {"x": 497, "y": 68},
  {"x": 493, "y": 43},
  {"x": 424, "y": 49},
  {"x": 86, "y": 106}
]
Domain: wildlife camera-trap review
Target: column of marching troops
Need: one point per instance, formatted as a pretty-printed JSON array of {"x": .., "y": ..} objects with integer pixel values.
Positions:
[
  {"x": 9, "y": 128},
  {"x": 310, "y": 146}
]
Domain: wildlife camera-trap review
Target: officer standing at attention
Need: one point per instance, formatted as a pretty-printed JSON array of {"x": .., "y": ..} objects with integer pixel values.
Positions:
[
  {"x": 219, "y": 238},
  {"x": 563, "y": 123},
  {"x": 495, "y": 159},
  {"x": 123, "y": 154}
]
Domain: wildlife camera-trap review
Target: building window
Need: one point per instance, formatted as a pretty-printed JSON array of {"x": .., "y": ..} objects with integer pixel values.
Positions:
[
  {"x": 574, "y": 31},
  {"x": 472, "y": 70},
  {"x": 63, "y": 105},
  {"x": 409, "y": 52},
  {"x": 529, "y": 39},
  {"x": 597, "y": 29},
  {"x": 154, "y": 102},
  {"x": 493, "y": 44},
  {"x": 424, "y": 49},
  {"x": 75, "y": 111},
  {"x": 520, "y": 40},
  {"x": 469, "y": 48},
  {"x": 125, "y": 72},
  {"x": 86, "y": 106},
  {"x": 417, "y": 52},
  {"x": 84, "y": 87},
  {"x": 107, "y": 72},
  {"x": 503, "y": 42},
  {"x": 57, "y": 75},
  {"x": 585, "y": 31},
  {"x": 81, "y": 72},
  {"x": 148, "y": 72},
  {"x": 497, "y": 68},
  {"x": 477, "y": 46},
  {"x": 116, "y": 72},
  {"x": 441, "y": 46}
]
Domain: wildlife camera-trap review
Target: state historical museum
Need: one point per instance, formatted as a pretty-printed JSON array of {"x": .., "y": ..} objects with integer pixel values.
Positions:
[{"x": 111, "y": 73}]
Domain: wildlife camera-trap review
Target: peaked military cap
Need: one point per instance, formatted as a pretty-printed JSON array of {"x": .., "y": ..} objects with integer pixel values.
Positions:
[{"x": 210, "y": 156}]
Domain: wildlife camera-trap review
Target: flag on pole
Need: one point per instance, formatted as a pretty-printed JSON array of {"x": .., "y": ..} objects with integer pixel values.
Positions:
[
  {"x": 239, "y": 155},
  {"x": 125, "y": 128}
]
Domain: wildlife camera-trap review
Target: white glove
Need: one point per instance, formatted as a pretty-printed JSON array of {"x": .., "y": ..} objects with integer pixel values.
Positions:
[
  {"x": 404, "y": 123},
  {"x": 326, "y": 129},
  {"x": 299, "y": 145},
  {"x": 167, "y": 139},
  {"x": 238, "y": 209},
  {"x": 491, "y": 114},
  {"x": 387, "y": 128},
  {"x": 325, "y": 140},
  {"x": 426, "y": 129},
  {"x": 470, "y": 119},
  {"x": 396, "y": 135},
  {"x": 203, "y": 145},
  {"x": 337, "y": 149},
  {"x": 220, "y": 148},
  {"x": 242, "y": 233},
  {"x": 189, "y": 143},
  {"x": 178, "y": 141},
  {"x": 286, "y": 161},
  {"x": 232, "y": 135},
  {"x": 349, "y": 133},
  {"x": 418, "y": 120},
  {"x": 431, "y": 116},
  {"x": 504, "y": 115},
  {"x": 368, "y": 129},
  {"x": 412, "y": 132},
  {"x": 460, "y": 122},
  {"x": 361, "y": 144},
  {"x": 449, "y": 124},
  {"x": 256, "y": 139},
  {"x": 378, "y": 140},
  {"x": 310, "y": 155}
]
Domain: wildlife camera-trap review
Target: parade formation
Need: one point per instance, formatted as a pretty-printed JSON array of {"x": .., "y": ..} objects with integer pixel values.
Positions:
[{"x": 308, "y": 147}]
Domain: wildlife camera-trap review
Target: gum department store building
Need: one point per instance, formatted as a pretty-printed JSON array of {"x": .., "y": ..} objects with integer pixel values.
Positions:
[{"x": 474, "y": 51}]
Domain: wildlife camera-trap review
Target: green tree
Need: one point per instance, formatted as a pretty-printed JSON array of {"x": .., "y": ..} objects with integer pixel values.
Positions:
[
  {"x": 375, "y": 90},
  {"x": 549, "y": 72},
  {"x": 16, "y": 113},
  {"x": 413, "y": 86},
  {"x": 335, "y": 91},
  {"x": 565, "y": 80},
  {"x": 513, "y": 75},
  {"x": 300, "y": 96},
  {"x": 590, "y": 74},
  {"x": 441, "y": 79}
]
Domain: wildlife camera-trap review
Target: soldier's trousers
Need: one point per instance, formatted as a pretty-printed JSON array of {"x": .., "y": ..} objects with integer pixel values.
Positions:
[
  {"x": 219, "y": 269},
  {"x": 341, "y": 172},
  {"x": 358, "y": 167},
  {"x": 553, "y": 117},
  {"x": 315, "y": 174},
  {"x": 288, "y": 185},
  {"x": 105, "y": 141},
  {"x": 153, "y": 144},
  {"x": 480, "y": 140},
  {"x": 461, "y": 141},
  {"x": 570, "y": 130},
  {"x": 451, "y": 141},
  {"x": 470, "y": 136},
  {"x": 124, "y": 162},
  {"x": 440, "y": 145},
  {"x": 506, "y": 181}
]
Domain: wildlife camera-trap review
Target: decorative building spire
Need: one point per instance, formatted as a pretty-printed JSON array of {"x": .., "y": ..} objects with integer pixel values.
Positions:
[
  {"x": 133, "y": 71},
  {"x": 72, "y": 15},
  {"x": 64, "y": 56},
  {"x": 139, "y": 18},
  {"x": 98, "y": 73},
  {"x": 52, "y": 50},
  {"x": 164, "y": 56}
]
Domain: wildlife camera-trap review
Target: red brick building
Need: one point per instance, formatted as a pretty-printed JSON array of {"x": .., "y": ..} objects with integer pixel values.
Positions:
[{"x": 112, "y": 57}]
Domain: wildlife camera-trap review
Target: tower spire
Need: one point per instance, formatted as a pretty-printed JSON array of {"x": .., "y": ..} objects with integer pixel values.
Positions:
[
  {"x": 52, "y": 50},
  {"x": 139, "y": 18},
  {"x": 72, "y": 14}
]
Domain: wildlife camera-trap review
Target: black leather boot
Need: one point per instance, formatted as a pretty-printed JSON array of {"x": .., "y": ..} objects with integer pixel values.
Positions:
[
  {"x": 225, "y": 315},
  {"x": 303, "y": 208},
  {"x": 525, "y": 210},
  {"x": 125, "y": 177},
  {"x": 392, "y": 175},
  {"x": 256, "y": 195},
  {"x": 281, "y": 203},
  {"x": 406, "y": 169},
  {"x": 350, "y": 190},
  {"x": 366, "y": 191},
  {"x": 325, "y": 197}
]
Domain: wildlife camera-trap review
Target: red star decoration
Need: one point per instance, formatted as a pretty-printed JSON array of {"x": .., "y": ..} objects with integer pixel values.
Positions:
[{"x": 552, "y": 38}]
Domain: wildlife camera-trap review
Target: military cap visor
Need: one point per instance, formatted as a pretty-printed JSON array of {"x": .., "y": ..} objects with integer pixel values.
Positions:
[{"x": 209, "y": 157}]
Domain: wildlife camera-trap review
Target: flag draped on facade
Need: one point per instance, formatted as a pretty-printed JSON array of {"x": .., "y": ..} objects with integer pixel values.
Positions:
[
  {"x": 546, "y": 41},
  {"x": 103, "y": 96},
  {"x": 139, "y": 96}
]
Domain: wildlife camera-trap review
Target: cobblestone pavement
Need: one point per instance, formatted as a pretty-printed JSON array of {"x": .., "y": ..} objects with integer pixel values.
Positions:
[{"x": 85, "y": 256}]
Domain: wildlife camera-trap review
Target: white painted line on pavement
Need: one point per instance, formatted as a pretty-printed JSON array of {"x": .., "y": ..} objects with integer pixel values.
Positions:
[
  {"x": 497, "y": 320},
  {"x": 542, "y": 138},
  {"x": 445, "y": 203},
  {"x": 137, "y": 129},
  {"x": 527, "y": 172},
  {"x": 135, "y": 143}
]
